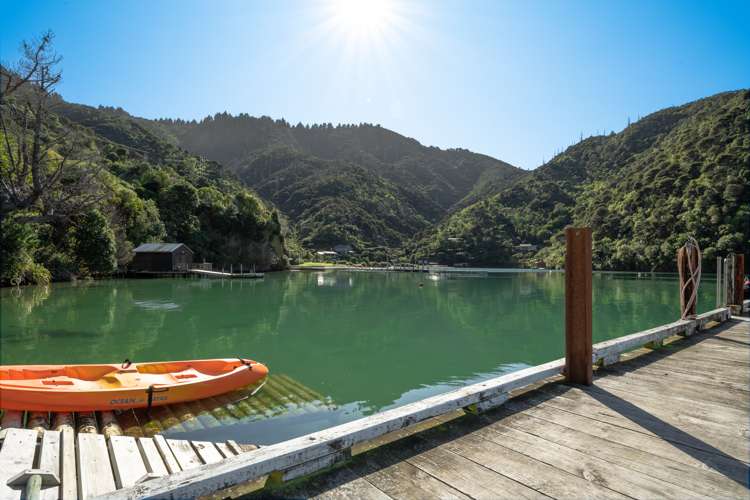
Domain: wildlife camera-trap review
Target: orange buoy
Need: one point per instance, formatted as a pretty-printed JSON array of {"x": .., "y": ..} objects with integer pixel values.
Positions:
[{"x": 79, "y": 388}]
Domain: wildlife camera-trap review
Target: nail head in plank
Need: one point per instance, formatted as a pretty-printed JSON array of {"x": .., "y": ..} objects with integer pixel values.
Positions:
[
  {"x": 151, "y": 456},
  {"x": 207, "y": 452},
  {"x": 94, "y": 468},
  {"x": 127, "y": 462},
  {"x": 166, "y": 454},
  {"x": 49, "y": 460},
  {"x": 184, "y": 453},
  {"x": 16, "y": 455}
]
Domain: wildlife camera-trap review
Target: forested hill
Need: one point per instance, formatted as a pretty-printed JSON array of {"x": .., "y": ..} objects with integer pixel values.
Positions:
[
  {"x": 680, "y": 171},
  {"x": 107, "y": 184},
  {"x": 359, "y": 184}
]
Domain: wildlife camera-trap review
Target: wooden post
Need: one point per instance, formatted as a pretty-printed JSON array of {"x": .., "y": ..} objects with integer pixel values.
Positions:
[
  {"x": 739, "y": 278},
  {"x": 686, "y": 284},
  {"x": 578, "y": 339}
]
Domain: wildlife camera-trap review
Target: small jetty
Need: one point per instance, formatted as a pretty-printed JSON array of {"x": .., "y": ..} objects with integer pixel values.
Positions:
[
  {"x": 79, "y": 463},
  {"x": 222, "y": 274},
  {"x": 96, "y": 453}
]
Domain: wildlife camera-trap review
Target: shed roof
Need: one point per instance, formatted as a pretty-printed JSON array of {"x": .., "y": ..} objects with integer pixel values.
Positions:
[{"x": 160, "y": 247}]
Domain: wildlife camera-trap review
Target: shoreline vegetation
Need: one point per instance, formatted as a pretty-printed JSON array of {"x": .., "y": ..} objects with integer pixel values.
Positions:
[{"x": 82, "y": 186}]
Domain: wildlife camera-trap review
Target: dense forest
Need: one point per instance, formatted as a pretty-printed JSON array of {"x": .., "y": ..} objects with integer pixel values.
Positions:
[
  {"x": 82, "y": 186},
  {"x": 362, "y": 185},
  {"x": 677, "y": 172}
]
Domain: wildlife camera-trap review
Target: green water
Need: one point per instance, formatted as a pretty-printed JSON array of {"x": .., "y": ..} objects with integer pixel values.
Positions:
[{"x": 366, "y": 341}]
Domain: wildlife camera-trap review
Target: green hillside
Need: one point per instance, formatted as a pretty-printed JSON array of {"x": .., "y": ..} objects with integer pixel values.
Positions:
[
  {"x": 677, "y": 172},
  {"x": 125, "y": 186},
  {"x": 358, "y": 184}
]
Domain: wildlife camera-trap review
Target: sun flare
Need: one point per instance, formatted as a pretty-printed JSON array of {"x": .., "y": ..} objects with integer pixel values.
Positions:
[{"x": 362, "y": 17}]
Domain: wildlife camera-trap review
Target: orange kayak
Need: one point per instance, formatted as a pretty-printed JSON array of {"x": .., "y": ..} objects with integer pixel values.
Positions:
[{"x": 64, "y": 388}]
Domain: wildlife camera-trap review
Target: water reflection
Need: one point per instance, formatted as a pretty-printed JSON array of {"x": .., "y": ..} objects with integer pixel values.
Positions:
[{"x": 365, "y": 341}]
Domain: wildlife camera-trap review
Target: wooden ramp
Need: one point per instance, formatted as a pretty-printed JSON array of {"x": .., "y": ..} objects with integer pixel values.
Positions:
[
  {"x": 89, "y": 465},
  {"x": 666, "y": 423},
  {"x": 281, "y": 394}
]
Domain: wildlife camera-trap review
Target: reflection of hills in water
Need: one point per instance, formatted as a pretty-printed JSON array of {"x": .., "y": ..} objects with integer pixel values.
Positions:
[
  {"x": 280, "y": 395},
  {"x": 367, "y": 341}
]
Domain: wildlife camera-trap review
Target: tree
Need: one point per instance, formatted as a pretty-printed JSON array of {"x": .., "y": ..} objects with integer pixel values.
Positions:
[
  {"x": 95, "y": 243},
  {"x": 47, "y": 173}
]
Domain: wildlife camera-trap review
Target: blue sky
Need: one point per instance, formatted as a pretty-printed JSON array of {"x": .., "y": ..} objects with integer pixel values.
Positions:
[{"x": 516, "y": 80}]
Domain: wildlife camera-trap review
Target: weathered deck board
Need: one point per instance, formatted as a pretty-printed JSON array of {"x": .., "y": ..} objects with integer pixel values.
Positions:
[
  {"x": 151, "y": 457},
  {"x": 207, "y": 452},
  {"x": 95, "y": 475},
  {"x": 16, "y": 455},
  {"x": 49, "y": 460},
  {"x": 127, "y": 461},
  {"x": 670, "y": 423},
  {"x": 184, "y": 453}
]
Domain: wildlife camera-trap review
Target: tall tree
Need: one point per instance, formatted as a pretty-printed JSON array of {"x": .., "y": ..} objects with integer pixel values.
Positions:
[{"x": 46, "y": 173}]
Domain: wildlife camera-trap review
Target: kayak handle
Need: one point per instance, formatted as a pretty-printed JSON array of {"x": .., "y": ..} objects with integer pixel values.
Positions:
[
  {"x": 126, "y": 364},
  {"x": 150, "y": 391},
  {"x": 246, "y": 363}
]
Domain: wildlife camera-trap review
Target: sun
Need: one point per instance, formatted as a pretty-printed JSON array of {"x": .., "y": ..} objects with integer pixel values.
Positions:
[{"x": 357, "y": 18}]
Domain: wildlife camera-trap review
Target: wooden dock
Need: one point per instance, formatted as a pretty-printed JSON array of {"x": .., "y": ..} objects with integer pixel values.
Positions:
[
  {"x": 86, "y": 465},
  {"x": 221, "y": 274},
  {"x": 668, "y": 423},
  {"x": 670, "y": 420},
  {"x": 96, "y": 453}
]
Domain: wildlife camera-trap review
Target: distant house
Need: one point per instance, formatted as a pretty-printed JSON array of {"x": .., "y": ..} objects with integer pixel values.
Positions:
[
  {"x": 526, "y": 247},
  {"x": 342, "y": 249},
  {"x": 326, "y": 255},
  {"x": 162, "y": 257}
]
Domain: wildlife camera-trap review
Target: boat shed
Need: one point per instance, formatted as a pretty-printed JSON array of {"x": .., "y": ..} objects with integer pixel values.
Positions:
[{"x": 162, "y": 257}]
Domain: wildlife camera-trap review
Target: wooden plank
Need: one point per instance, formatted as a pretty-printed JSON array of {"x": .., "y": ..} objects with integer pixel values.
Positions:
[
  {"x": 644, "y": 455},
  {"x": 403, "y": 480},
  {"x": 709, "y": 370},
  {"x": 151, "y": 456},
  {"x": 247, "y": 467},
  {"x": 232, "y": 445},
  {"x": 207, "y": 452},
  {"x": 633, "y": 341},
  {"x": 468, "y": 477},
  {"x": 224, "y": 449},
  {"x": 650, "y": 384},
  {"x": 345, "y": 486},
  {"x": 578, "y": 305},
  {"x": 540, "y": 476},
  {"x": 686, "y": 375},
  {"x": 672, "y": 406},
  {"x": 127, "y": 461},
  {"x": 68, "y": 473},
  {"x": 584, "y": 465},
  {"x": 16, "y": 455},
  {"x": 94, "y": 469},
  {"x": 621, "y": 413},
  {"x": 49, "y": 460},
  {"x": 184, "y": 454},
  {"x": 170, "y": 462}
]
